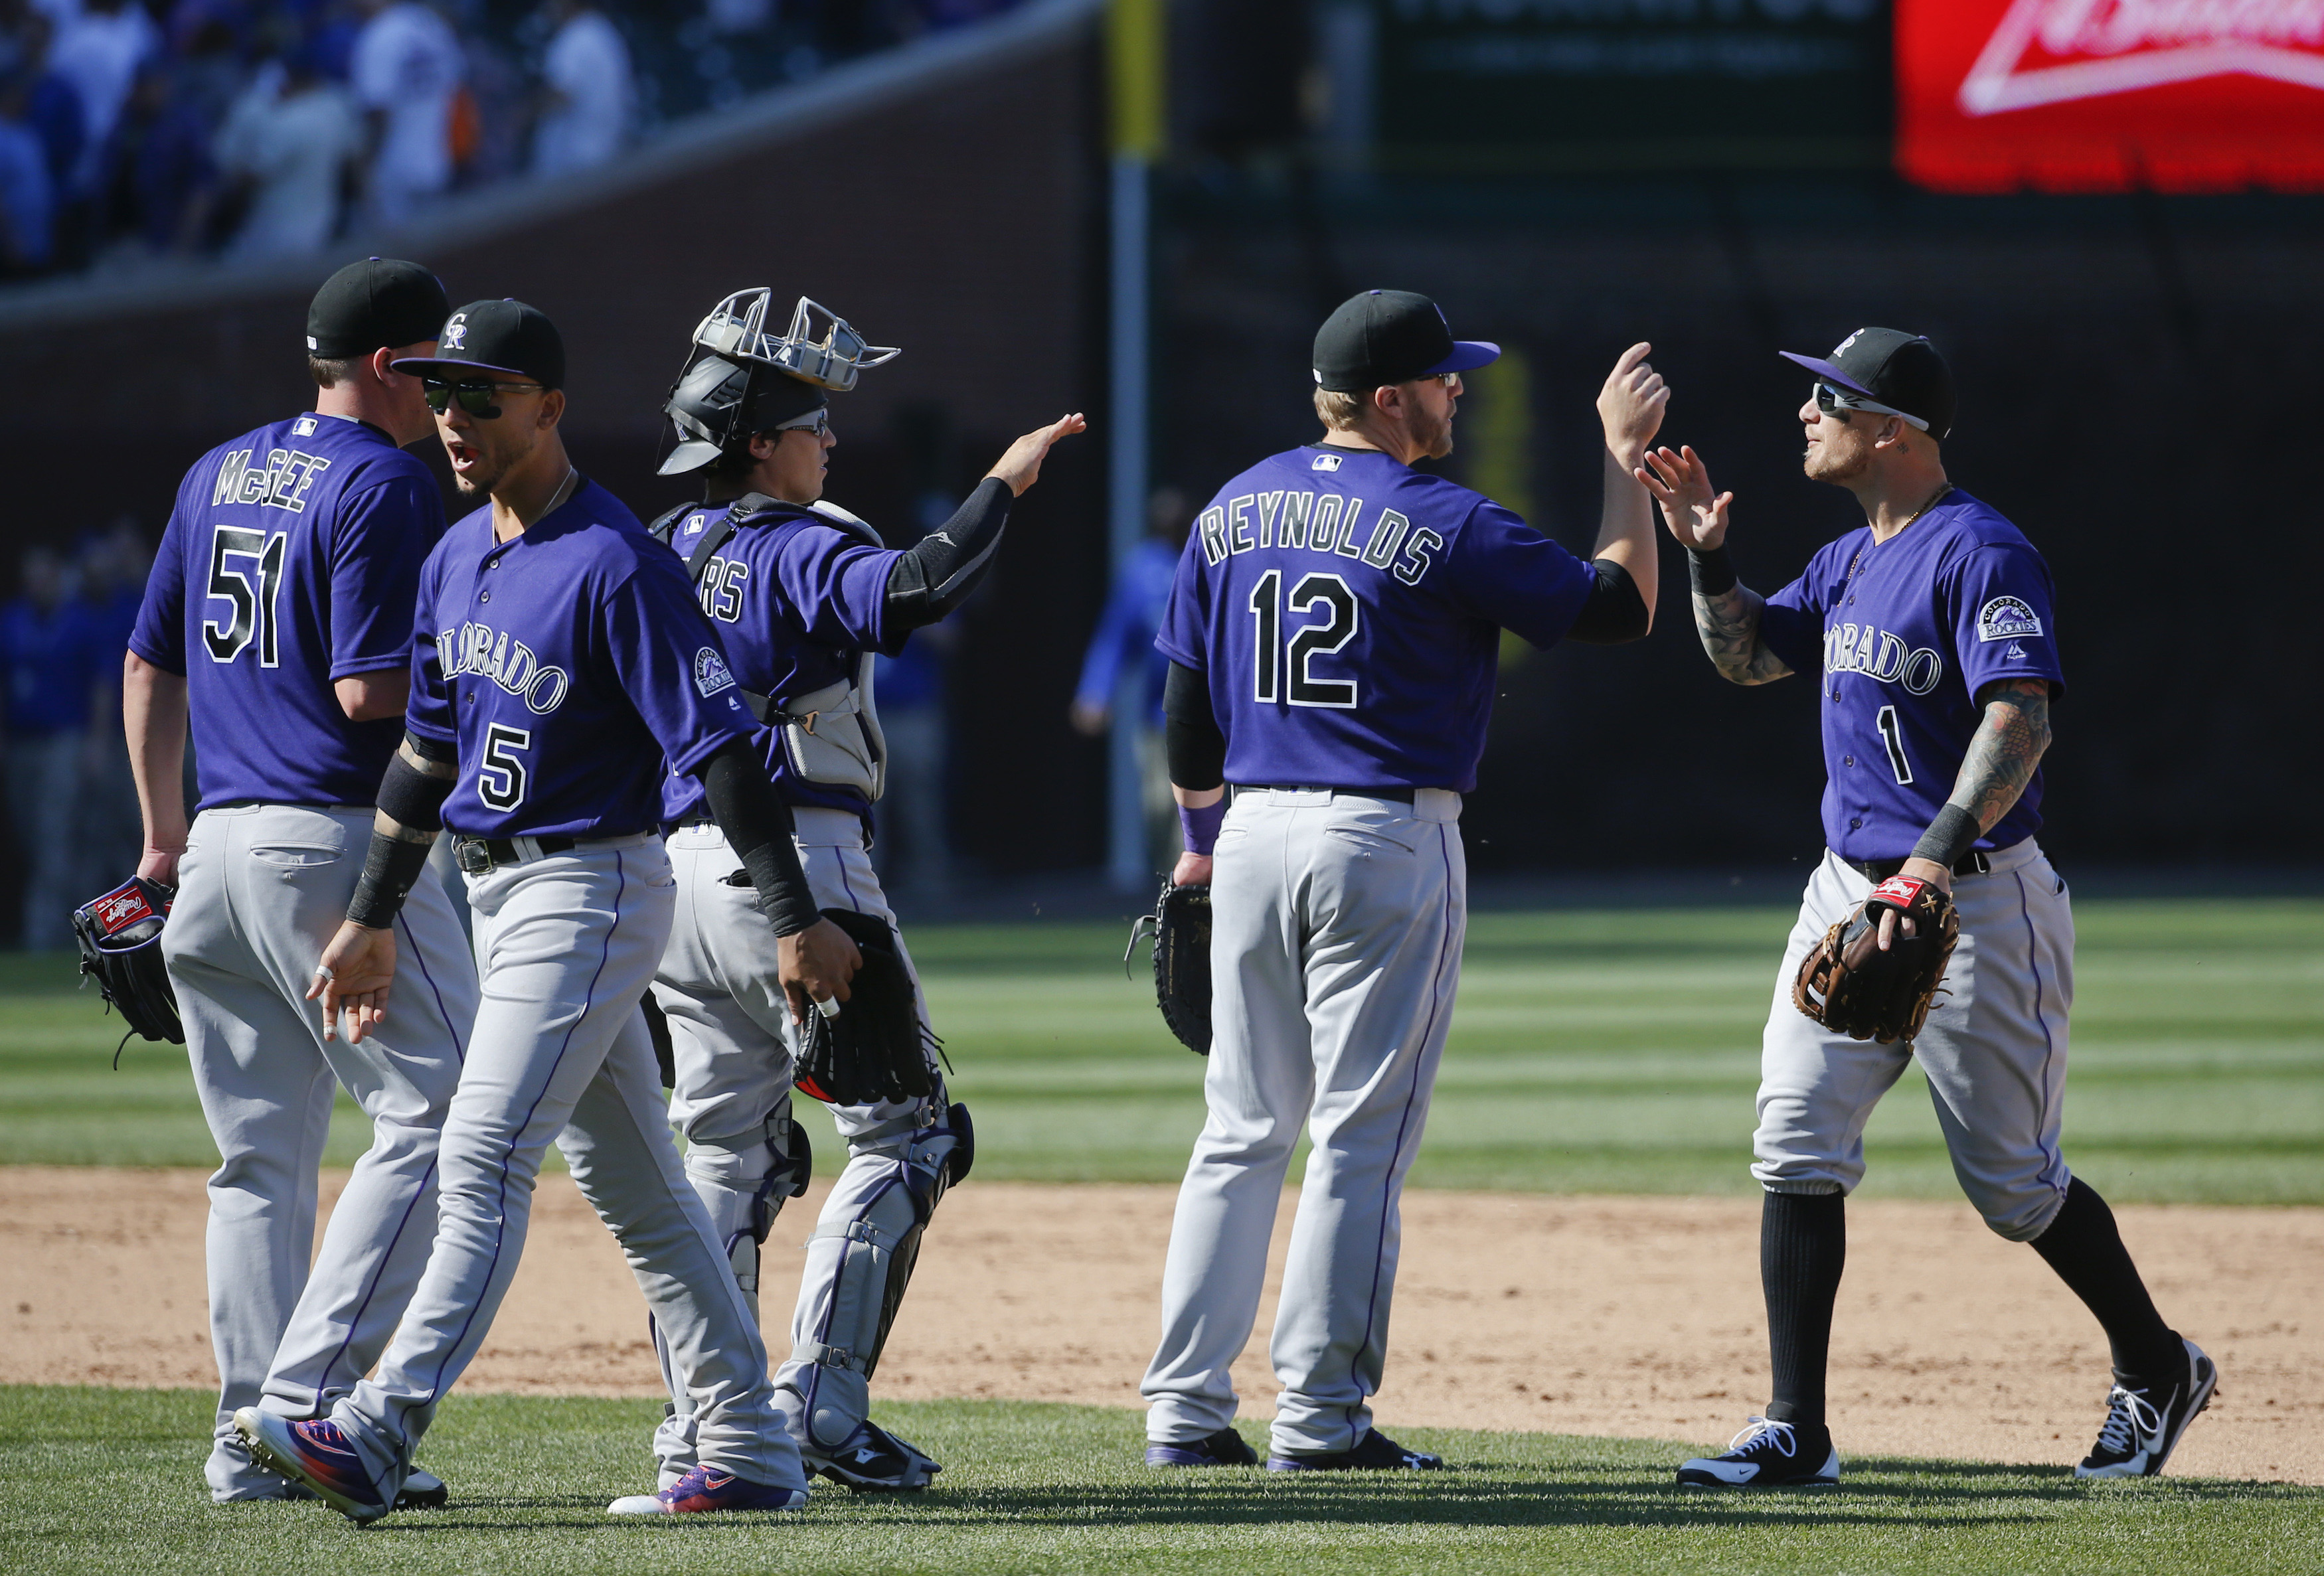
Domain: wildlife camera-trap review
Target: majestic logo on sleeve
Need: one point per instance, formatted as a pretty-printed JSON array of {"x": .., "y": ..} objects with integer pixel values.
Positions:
[
  {"x": 2006, "y": 618},
  {"x": 2053, "y": 52},
  {"x": 1878, "y": 655},
  {"x": 710, "y": 674},
  {"x": 477, "y": 649}
]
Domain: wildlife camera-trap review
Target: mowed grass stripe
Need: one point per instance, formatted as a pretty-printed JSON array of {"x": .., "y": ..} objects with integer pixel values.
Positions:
[{"x": 1602, "y": 1051}]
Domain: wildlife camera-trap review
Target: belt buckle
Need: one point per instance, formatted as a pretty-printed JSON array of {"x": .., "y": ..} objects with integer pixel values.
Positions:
[{"x": 472, "y": 855}]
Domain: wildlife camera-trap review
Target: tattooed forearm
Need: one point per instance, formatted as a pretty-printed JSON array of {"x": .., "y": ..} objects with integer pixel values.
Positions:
[
  {"x": 2004, "y": 749},
  {"x": 1728, "y": 624}
]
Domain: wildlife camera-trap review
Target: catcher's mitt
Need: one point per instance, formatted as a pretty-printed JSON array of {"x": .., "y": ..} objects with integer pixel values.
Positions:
[
  {"x": 1847, "y": 983},
  {"x": 120, "y": 936},
  {"x": 1181, "y": 923},
  {"x": 877, "y": 1049}
]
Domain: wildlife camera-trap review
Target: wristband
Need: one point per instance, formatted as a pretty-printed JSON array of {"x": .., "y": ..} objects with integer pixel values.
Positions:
[
  {"x": 1710, "y": 571},
  {"x": 783, "y": 895},
  {"x": 1201, "y": 827},
  {"x": 390, "y": 870},
  {"x": 1949, "y": 836}
]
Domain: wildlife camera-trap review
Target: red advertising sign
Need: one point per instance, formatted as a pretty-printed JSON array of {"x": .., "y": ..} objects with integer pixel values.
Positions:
[{"x": 2110, "y": 95}]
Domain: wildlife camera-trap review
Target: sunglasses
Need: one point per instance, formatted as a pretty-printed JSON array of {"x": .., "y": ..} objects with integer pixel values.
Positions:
[
  {"x": 1839, "y": 403},
  {"x": 474, "y": 394},
  {"x": 818, "y": 422}
]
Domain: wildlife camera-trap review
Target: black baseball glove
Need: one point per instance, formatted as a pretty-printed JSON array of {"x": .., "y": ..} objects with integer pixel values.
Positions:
[
  {"x": 1181, "y": 923},
  {"x": 120, "y": 938},
  {"x": 877, "y": 1049},
  {"x": 1848, "y": 983}
]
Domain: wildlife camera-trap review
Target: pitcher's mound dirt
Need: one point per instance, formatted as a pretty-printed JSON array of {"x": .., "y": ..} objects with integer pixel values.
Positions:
[{"x": 1635, "y": 1316}]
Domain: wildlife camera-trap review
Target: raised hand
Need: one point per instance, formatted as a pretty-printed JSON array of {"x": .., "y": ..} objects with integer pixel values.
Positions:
[
  {"x": 1631, "y": 404},
  {"x": 1681, "y": 484},
  {"x": 1021, "y": 468},
  {"x": 353, "y": 976}
]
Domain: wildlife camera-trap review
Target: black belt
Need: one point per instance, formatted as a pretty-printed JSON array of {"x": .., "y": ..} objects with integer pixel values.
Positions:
[
  {"x": 1972, "y": 863},
  {"x": 1402, "y": 796},
  {"x": 477, "y": 856},
  {"x": 285, "y": 804}
]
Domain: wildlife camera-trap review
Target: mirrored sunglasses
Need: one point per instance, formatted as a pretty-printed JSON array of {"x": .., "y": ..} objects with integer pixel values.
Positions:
[
  {"x": 474, "y": 394},
  {"x": 1838, "y": 402}
]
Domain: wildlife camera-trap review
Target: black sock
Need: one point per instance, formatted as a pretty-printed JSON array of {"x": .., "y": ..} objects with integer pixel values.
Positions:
[
  {"x": 2082, "y": 1244},
  {"x": 1802, "y": 1248}
]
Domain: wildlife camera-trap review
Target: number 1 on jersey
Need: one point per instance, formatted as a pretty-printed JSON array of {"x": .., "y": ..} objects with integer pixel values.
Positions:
[
  {"x": 1269, "y": 658},
  {"x": 1892, "y": 735}
]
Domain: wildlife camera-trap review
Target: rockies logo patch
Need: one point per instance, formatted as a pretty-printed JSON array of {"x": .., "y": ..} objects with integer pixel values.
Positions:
[
  {"x": 2006, "y": 618},
  {"x": 710, "y": 672}
]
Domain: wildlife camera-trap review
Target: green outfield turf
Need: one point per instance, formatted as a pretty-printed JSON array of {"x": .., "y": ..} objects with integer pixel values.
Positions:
[
  {"x": 1600, "y": 1052},
  {"x": 109, "y": 1480}
]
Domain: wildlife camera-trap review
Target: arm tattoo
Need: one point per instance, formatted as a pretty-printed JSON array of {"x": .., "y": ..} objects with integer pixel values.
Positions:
[
  {"x": 1728, "y": 624},
  {"x": 2004, "y": 749}
]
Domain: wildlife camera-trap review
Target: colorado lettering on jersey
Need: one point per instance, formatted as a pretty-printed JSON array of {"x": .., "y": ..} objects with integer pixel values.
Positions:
[
  {"x": 1318, "y": 522},
  {"x": 281, "y": 482},
  {"x": 476, "y": 649},
  {"x": 1878, "y": 655}
]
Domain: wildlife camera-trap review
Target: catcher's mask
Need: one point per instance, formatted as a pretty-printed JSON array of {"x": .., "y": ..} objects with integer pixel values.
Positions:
[{"x": 743, "y": 380}]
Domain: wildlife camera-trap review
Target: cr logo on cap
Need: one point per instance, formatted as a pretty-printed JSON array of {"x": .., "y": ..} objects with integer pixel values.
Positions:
[{"x": 456, "y": 332}]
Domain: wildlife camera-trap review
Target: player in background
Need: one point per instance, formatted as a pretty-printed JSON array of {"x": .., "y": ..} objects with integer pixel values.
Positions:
[
  {"x": 1332, "y": 635},
  {"x": 1934, "y": 640},
  {"x": 1123, "y": 642},
  {"x": 560, "y": 660},
  {"x": 804, "y": 595},
  {"x": 277, "y": 620}
]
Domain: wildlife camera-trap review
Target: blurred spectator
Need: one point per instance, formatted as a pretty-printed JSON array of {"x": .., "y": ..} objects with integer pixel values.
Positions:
[
  {"x": 47, "y": 651},
  {"x": 913, "y": 848},
  {"x": 159, "y": 177},
  {"x": 114, "y": 564},
  {"x": 98, "y": 50},
  {"x": 27, "y": 197},
  {"x": 588, "y": 98},
  {"x": 726, "y": 16},
  {"x": 53, "y": 107},
  {"x": 1123, "y": 645},
  {"x": 292, "y": 140},
  {"x": 406, "y": 69}
]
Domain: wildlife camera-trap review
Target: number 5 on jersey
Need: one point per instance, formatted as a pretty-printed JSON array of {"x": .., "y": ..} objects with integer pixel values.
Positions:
[
  {"x": 1272, "y": 660},
  {"x": 501, "y": 775}
]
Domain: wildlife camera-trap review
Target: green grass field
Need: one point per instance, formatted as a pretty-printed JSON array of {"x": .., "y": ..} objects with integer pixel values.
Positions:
[
  {"x": 1591, "y": 1052},
  {"x": 109, "y": 1480}
]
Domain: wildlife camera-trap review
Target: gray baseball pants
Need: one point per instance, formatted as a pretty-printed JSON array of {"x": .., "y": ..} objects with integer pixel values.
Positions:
[
  {"x": 261, "y": 889},
  {"x": 1994, "y": 1049},
  {"x": 1335, "y": 950},
  {"x": 734, "y": 1048},
  {"x": 566, "y": 945}
]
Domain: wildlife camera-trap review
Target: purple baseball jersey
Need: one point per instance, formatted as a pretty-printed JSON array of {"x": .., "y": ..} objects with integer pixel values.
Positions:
[
  {"x": 569, "y": 664},
  {"x": 1903, "y": 635},
  {"x": 796, "y": 599},
  {"x": 1346, "y": 613},
  {"x": 291, "y": 561}
]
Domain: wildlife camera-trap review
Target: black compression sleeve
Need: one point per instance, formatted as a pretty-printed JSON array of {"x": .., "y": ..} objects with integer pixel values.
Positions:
[
  {"x": 1192, "y": 744},
  {"x": 1615, "y": 612},
  {"x": 1711, "y": 570},
  {"x": 758, "y": 827},
  {"x": 1951, "y": 835},
  {"x": 937, "y": 575},
  {"x": 412, "y": 797},
  {"x": 390, "y": 869}
]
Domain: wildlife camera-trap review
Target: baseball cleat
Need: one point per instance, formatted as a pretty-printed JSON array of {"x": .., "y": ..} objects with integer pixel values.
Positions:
[
  {"x": 1374, "y": 1452},
  {"x": 1226, "y": 1448},
  {"x": 2141, "y": 1427},
  {"x": 709, "y": 1488},
  {"x": 873, "y": 1462},
  {"x": 1768, "y": 1454},
  {"x": 422, "y": 1490},
  {"x": 317, "y": 1454}
]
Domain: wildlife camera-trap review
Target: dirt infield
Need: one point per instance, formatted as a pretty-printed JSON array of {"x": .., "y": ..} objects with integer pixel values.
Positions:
[{"x": 1630, "y": 1317}]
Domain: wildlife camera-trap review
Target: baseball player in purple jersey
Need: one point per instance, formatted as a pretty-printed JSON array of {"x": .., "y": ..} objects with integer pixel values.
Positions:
[
  {"x": 560, "y": 661},
  {"x": 1934, "y": 640},
  {"x": 804, "y": 595},
  {"x": 1332, "y": 633},
  {"x": 278, "y": 622}
]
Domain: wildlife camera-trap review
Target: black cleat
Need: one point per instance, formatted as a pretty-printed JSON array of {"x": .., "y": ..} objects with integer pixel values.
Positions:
[
  {"x": 422, "y": 1490},
  {"x": 2142, "y": 1426},
  {"x": 873, "y": 1462},
  {"x": 1374, "y": 1452},
  {"x": 1768, "y": 1454},
  {"x": 1226, "y": 1448}
]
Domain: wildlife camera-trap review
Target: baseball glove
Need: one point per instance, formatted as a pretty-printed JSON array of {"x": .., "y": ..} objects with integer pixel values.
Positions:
[
  {"x": 1181, "y": 924},
  {"x": 877, "y": 1049},
  {"x": 120, "y": 938},
  {"x": 1847, "y": 983}
]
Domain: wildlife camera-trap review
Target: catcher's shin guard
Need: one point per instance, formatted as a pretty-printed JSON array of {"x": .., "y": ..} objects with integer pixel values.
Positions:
[
  {"x": 859, "y": 1263},
  {"x": 744, "y": 1181}
]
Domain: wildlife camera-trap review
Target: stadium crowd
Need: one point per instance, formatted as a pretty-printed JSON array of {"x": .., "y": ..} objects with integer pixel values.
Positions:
[{"x": 131, "y": 129}]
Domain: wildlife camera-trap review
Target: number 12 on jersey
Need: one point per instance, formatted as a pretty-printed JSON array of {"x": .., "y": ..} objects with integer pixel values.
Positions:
[{"x": 1274, "y": 659}]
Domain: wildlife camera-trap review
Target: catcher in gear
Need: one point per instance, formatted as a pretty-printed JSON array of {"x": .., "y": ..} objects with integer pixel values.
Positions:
[
  {"x": 804, "y": 595},
  {"x": 1930, "y": 635}
]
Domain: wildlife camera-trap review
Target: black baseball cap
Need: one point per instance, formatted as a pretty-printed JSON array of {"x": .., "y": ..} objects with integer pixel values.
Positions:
[
  {"x": 1891, "y": 368},
  {"x": 376, "y": 304},
  {"x": 496, "y": 336},
  {"x": 1390, "y": 337}
]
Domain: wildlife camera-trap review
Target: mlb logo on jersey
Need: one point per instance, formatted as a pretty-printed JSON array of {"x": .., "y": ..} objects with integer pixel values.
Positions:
[
  {"x": 710, "y": 672},
  {"x": 2006, "y": 618},
  {"x": 304, "y": 426},
  {"x": 1325, "y": 462}
]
